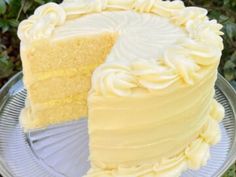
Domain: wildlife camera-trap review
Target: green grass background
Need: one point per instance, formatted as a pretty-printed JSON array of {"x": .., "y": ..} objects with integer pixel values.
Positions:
[{"x": 13, "y": 11}]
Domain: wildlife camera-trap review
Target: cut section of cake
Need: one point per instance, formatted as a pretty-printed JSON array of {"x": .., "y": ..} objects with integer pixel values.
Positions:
[
  {"x": 142, "y": 71},
  {"x": 57, "y": 77}
]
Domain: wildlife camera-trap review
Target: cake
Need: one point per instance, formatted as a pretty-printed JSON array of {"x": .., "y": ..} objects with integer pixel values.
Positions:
[{"x": 143, "y": 72}]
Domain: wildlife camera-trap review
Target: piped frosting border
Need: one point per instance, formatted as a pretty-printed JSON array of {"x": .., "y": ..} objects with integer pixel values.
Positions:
[{"x": 181, "y": 62}]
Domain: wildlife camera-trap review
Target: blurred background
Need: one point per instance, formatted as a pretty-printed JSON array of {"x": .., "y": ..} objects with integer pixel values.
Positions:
[{"x": 13, "y": 11}]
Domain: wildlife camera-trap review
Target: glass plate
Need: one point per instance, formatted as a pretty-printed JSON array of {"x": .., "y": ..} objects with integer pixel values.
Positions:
[{"x": 62, "y": 150}]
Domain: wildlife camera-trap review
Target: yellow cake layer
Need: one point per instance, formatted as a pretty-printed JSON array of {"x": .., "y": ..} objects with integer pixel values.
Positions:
[
  {"x": 72, "y": 52},
  {"x": 56, "y": 71},
  {"x": 60, "y": 88},
  {"x": 85, "y": 70}
]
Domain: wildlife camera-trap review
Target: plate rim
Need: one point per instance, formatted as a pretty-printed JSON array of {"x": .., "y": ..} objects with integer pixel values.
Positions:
[
  {"x": 230, "y": 93},
  {"x": 3, "y": 98},
  {"x": 226, "y": 88}
]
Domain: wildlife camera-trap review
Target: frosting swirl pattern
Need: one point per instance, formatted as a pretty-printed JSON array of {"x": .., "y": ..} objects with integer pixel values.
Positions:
[
  {"x": 114, "y": 79},
  {"x": 203, "y": 48},
  {"x": 73, "y": 7},
  {"x": 42, "y": 23},
  {"x": 120, "y": 78},
  {"x": 189, "y": 14}
]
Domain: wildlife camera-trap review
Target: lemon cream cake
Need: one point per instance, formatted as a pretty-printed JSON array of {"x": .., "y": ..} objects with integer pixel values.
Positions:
[{"x": 142, "y": 71}]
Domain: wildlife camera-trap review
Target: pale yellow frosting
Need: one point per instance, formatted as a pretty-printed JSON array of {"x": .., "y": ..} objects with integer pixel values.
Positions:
[
  {"x": 193, "y": 156},
  {"x": 151, "y": 105},
  {"x": 42, "y": 23},
  {"x": 127, "y": 136}
]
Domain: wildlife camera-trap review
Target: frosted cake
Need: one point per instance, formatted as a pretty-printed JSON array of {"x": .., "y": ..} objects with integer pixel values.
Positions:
[{"x": 143, "y": 72}]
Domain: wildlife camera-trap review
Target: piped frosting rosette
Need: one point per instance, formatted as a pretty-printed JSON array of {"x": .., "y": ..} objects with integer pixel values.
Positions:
[
  {"x": 41, "y": 25},
  {"x": 193, "y": 157}
]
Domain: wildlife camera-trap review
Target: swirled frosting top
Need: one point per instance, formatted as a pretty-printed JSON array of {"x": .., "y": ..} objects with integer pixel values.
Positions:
[
  {"x": 141, "y": 36},
  {"x": 160, "y": 42}
]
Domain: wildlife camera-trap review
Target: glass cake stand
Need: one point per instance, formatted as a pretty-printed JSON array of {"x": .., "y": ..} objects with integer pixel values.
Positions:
[{"x": 62, "y": 150}]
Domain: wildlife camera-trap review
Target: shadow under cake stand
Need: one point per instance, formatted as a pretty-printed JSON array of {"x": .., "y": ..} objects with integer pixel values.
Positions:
[{"x": 62, "y": 150}]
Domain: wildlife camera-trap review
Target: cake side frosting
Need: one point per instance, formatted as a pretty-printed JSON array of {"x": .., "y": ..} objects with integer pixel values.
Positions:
[
  {"x": 145, "y": 144},
  {"x": 193, "y": 156}
]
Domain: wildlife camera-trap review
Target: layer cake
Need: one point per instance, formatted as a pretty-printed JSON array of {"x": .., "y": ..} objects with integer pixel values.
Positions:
[{"x": 143, "y": 72}]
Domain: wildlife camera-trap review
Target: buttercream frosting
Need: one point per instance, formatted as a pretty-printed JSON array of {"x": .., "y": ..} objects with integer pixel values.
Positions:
[
  {"x": 42, "y": 23},
  {"x": 193, "y": 156},
  {"x": 150, "y": 105},
  {"x": 199, "y": 43}
]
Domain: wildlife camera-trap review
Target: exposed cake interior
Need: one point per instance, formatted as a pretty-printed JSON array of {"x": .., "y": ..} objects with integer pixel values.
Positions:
[{"x": 57, "y": 76}]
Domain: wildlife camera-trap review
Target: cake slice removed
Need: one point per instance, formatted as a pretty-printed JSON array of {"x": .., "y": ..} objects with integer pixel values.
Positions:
[{"x": 57, "y": 75}]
